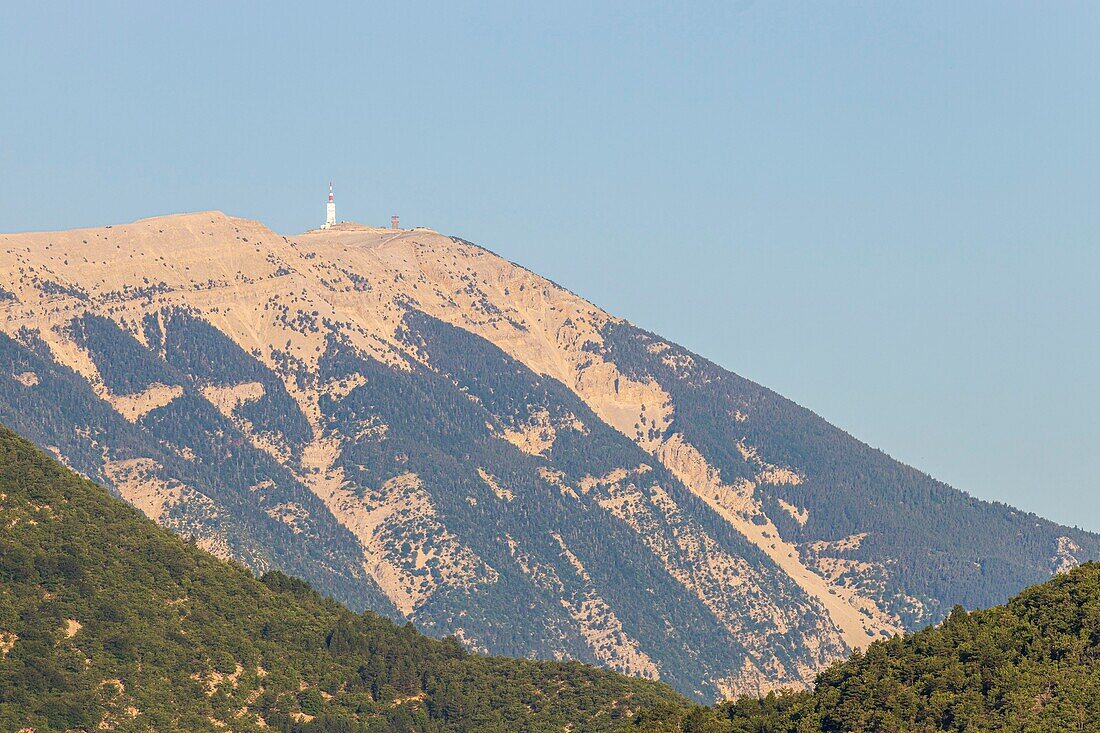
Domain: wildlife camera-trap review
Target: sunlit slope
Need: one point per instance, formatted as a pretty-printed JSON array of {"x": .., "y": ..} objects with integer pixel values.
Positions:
[
  {"x": 421, "y": 427},
  {"x": 109, "y": 623}
]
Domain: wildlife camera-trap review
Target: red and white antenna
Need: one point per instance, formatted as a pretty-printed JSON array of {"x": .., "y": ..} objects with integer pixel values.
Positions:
[{"x": 330, "y": 210}]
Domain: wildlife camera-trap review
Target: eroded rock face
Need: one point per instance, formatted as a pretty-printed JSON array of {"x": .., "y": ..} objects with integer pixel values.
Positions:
[{"x": 420, "y": 427}]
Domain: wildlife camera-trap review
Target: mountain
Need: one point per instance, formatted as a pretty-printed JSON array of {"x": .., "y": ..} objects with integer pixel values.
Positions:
[
  {"x": 108, "y": 622},
  {"x": 1030, "y": 665},
  {"x": 421, "y": 428}
]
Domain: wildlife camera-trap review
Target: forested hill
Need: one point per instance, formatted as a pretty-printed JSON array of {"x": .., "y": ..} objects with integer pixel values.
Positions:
[
  {"x": 108, "y": 622},
  {"x": 1030, "y": 665}
]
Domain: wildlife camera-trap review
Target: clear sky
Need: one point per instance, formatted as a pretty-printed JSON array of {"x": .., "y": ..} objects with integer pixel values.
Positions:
[{"x": 889, "y": 213}]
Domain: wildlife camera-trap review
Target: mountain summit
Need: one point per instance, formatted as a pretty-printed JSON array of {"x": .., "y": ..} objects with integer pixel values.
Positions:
[{"x": 420, "y": 427}]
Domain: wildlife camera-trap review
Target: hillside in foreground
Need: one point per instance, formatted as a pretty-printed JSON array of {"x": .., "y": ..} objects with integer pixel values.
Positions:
[
  {"x": 108, "y": 622},
  {"x": 421, "y": 428},
  {"x": 1032, "y": 664}
]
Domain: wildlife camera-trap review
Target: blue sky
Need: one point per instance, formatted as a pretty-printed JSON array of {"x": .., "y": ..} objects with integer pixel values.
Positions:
[{"x": 887, "y": 212}]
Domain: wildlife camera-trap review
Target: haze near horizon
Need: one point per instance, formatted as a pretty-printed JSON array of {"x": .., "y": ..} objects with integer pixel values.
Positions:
[{"x": 886, "y": 214}]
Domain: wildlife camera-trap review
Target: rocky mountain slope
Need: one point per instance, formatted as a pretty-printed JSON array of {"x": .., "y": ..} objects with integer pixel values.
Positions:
[
  {"x": 422, "y": 428},
  {"x": 109, "y": 623},
  {"x": 1030, "y": 665}
]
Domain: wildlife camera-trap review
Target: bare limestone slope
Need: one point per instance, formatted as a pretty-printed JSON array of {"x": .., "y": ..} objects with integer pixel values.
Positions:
[{"x": 421, "y": 427}]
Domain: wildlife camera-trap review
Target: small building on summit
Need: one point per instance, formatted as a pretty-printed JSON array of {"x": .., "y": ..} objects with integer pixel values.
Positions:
[{"x": 330, "y": 216}]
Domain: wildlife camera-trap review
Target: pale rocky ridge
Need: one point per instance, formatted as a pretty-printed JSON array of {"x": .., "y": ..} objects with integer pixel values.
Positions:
[{"x": 333, "y": 326}]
